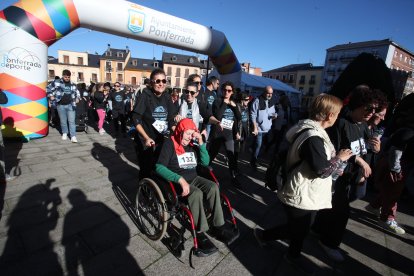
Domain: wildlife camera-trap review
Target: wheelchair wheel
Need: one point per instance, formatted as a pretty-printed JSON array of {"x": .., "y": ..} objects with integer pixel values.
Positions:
[{"x": 151, "y": 209}]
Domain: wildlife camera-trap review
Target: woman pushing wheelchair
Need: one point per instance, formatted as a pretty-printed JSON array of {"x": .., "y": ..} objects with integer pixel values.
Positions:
[{"x": 177, "y": 163}]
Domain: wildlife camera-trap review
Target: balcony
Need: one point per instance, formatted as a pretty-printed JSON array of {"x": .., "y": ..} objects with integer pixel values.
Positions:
[{"x": 108, "y": 69}]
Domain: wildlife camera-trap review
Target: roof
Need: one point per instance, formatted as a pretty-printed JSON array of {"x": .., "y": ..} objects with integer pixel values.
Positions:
[
  {"x": 312, "y": 68},
  {"x": 185, "y": 60},
  {"x": 114, "y": 54},
  {"x": 143, "y": 64},
  {"x": 52, "y": 60},
  {"x": 258, "y": 81},
  {"x": 364, "y": 44},
  {"x": 93, "y": 60},
  {"x": 290, "y": 68}
]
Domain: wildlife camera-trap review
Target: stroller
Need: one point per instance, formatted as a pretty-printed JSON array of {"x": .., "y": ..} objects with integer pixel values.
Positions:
[{"x": 81, "y": 120}]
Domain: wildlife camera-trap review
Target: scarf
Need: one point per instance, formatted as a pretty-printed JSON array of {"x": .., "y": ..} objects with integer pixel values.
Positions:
[{"x": 183, "y": 125}]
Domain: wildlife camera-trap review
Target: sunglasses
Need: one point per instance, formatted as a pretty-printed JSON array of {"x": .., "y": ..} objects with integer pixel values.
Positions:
[
  {"x": 164, "y": 81},
  {"x": 371, "y": 109},
  {"x": 198, "y": 82},
  {"x": 191, "y": 92},
  {"x": 228, "y": 90},
  {"x": 117, "y": 86},
  {"x": 246, "y": 100}
]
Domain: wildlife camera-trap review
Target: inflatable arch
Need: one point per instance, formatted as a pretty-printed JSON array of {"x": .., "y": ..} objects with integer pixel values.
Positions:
[{"x": 28, "y": 27}]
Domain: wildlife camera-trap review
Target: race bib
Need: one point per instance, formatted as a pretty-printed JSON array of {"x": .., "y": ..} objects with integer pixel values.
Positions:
[
  {"x": 227, "y": 124},
  {"x": 160, "y": 126},
  {"x": 187, "y": 160},
  {"x": 358, "y": 147}
]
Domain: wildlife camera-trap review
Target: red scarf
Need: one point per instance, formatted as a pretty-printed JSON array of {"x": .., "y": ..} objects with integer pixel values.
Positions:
[{"x": 183, "y": 125}]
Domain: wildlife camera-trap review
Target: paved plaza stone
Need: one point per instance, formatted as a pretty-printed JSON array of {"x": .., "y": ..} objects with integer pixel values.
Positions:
[{"x": 70, "y": 211}]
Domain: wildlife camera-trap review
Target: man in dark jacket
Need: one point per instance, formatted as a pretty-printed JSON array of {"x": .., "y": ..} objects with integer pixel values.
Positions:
[{"x": 3, "y": 100}]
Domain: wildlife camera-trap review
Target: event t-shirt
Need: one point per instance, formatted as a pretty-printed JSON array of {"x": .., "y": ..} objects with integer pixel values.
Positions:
[{"x": 67, "y": 94}]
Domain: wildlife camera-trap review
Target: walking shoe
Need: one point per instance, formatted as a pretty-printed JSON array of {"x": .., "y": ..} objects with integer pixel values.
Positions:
[
  {"x": 64, "y": 136},
  {"x": 392, "y": 226},
  {"x": 258, "y": 234},
  {"x": 205, "y": 246},
  {"x": 74, "y": 140},
  {"x": 300, "y": 263},
  {"x": 102, "y": 131},
  {"x": 372, "y": 210},
  {"x": 10, "y": 177},
  {"x": 333, "y": 254}
]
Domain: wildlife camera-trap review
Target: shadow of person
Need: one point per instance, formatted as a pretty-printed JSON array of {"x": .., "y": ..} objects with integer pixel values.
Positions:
[
  {"x": 97, "y": 250},
  {"x": 30, "y": 252},
  {"x": 13, "y": 142}
]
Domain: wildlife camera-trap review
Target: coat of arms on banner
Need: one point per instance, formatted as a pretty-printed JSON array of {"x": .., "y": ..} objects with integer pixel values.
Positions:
[{"x": 136, "y": 21}]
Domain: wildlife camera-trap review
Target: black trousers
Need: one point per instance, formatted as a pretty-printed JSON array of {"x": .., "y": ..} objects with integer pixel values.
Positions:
[
  {"x": 214, "y": 149},
  {"x": 119, "y": 117},
  {"x": 296, "y": 229},
  {"x": 330, "y": 224},
  {"x": 147, "y": 156}
]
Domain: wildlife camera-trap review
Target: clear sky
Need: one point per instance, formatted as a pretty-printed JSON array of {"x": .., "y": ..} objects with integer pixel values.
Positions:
[{"x": 268, "y": 33}]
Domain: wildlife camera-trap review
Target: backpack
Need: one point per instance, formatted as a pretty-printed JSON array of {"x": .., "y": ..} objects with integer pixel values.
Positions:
[{"x": 276, "y": 173}]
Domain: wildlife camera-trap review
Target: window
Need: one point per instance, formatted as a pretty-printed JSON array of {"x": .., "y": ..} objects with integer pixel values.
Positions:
[
  {"x": 135, "y": 62},
  {"x": 120, "y": 78},
  {"x": 400, "y": 57},
  {"x": 108, "y": 53},
  {"x": 120, "y": 54},
  {"x": 311, "y": 90},
  {"x": 108, "y": 77},
  {"x": 168, "y": 79},
  {"x": 191, "y": 60},
  {"x": 80, "y": 77},
  {"x": 284, "y": 78},
  {"x": 94, "y": 77},
  {"x": 178, "y": 72},
  {"x": 66, "y": 59},
  {"x": 119, "y": 66},
  {"x": 302, "y": 79},
  {"x": 405, "y": 59},
  {"x": 312, "y": 79},
  {"x": 277, "y": 77},
  {"x": 51, "y": 74},
  {"x": 395, "y": 54},
  {"x": 196, "y": 71},
  {"x": 156, "y": 64},
  {"x": 174, "y": 58},
  {"x": 169, "y": 70},
  {"x": 187, "y": 72},
  {"x": 177, "y": 81},
  {"x": 134, "y": 81},
  {"x": 108, "y": 66},
  {"x": 80, "y": 60},
  {"x": 291, "y": 78}
]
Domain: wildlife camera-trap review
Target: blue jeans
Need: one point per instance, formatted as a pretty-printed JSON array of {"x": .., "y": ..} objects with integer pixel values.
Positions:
[
  {"x": 258, "y": 144},
  {"x": 67, "y": 113}
]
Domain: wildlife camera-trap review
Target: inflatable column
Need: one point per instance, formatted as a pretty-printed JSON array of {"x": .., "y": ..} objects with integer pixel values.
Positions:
[{"x": 27, "y": 29}]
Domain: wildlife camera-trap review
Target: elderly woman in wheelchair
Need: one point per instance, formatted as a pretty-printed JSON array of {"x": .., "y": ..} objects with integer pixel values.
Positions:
[{"x": 177, "y": 163}]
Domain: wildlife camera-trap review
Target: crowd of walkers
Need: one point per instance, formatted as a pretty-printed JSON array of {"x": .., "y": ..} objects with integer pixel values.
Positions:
[{"x": 334, "y": 154}]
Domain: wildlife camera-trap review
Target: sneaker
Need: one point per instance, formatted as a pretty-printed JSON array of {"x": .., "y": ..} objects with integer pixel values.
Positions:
[
  {"x": 102, "y": 131},
  {"x": 372, "y": 210},
  {"x": 333, "y": 254},
  {"x": 10, "y": 177},
  {"x": 64, "y": 136},
  {"x": 258, "y": 234},
  {"x": 300, "y": 263},
  {"x": 205, "y": 246},
  {"x": 74, "y": 140},
  {"x": 392, "y": 226}
]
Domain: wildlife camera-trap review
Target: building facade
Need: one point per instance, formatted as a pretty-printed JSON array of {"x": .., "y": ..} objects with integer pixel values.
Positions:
[
  {"x": 397, "y": 58},
  {"x": 112, "y": 64},
  {"x": 83, "y": 66},
  {"x": 138, "y": 69},
  {"x": 287, "y": 74}
]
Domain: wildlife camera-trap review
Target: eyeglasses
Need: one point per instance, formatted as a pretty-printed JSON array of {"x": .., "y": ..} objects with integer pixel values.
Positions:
[
  {"x": 164, "y": 81},
  {"x": 198, "y": 82},
  {"x": 191, "y": 92},
  {"x": 228, "y": 90},
  {"x": 117, "y": 85},
  {"x": 246, "y": 100}
]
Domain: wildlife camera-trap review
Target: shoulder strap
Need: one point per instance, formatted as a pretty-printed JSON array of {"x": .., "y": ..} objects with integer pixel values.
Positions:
[{"x": 294, "y": 165}]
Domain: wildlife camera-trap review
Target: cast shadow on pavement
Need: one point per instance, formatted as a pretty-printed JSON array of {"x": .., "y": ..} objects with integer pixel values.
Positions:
[
  {"x": 29, "y": 249},
  {"x": 98, "y": 249}
]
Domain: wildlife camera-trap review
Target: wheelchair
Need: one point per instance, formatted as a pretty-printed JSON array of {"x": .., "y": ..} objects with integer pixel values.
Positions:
[{"x": 158, "y": 203}]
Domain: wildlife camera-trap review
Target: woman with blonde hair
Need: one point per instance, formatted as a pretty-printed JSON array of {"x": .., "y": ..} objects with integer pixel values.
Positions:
[{"x": 311, "y": 161}]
